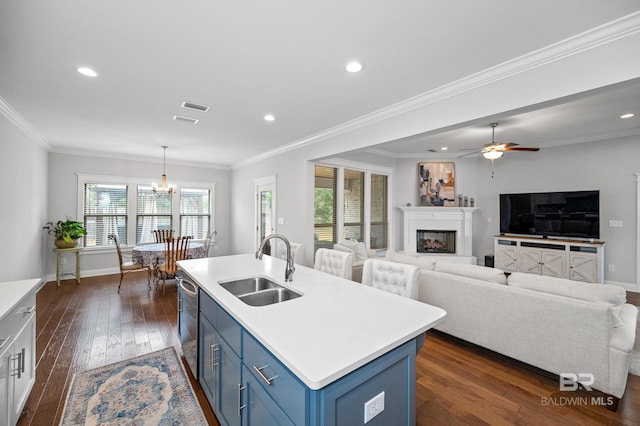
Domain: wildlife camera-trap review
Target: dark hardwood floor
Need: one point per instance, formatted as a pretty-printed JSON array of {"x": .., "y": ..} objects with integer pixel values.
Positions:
[{"x": 87, "y": 325}]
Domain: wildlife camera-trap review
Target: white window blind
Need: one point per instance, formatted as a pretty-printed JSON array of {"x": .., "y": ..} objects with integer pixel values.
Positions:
[
  {"x": 152, "y": 212},
  {"x": 105, "y": 212},
  {"x": 195, "y": 212},
  {"x": 325, "y": 225},
  {"x": 353, "y": 205}
]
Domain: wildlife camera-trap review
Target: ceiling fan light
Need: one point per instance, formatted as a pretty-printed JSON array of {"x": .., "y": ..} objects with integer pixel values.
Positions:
[{"x": 492, "y": 155}]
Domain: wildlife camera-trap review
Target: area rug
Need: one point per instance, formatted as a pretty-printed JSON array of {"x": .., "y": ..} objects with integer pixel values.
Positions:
[
  {"x": 151, "y": 389},
  {"x": 634, "y": 368}
]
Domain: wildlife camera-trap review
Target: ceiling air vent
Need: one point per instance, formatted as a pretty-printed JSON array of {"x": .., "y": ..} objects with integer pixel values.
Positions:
[
  {"x": 187, "y": 119},
  {"x": 190, "y": 105}
]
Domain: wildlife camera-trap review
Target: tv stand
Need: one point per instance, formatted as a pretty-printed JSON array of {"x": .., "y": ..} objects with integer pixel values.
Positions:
[{"x": 572, "y": 259}]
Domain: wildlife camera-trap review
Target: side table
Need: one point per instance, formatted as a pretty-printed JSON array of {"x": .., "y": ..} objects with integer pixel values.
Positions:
[{"x": 58, "y": 252}]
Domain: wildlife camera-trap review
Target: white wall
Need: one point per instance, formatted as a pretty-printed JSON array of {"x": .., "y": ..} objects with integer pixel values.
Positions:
[
  {"x": 24, "y": 203},
  {"x": 63, "y": 182}
]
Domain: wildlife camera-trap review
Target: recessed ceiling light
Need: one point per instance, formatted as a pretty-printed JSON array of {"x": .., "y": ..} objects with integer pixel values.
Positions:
[
  {"x": 354, "y": 67},
  {"x": 629, "y": 115},
  {"x": 269, "y": 117},
  {"x": 444, "y": 148},
  {"x": 87, "y": 71}
]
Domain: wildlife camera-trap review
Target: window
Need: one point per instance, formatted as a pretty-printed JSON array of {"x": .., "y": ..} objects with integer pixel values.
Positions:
[
  {"x": 353, "y": 205},
  {"x": 129, "y": 209},
  {"x": 352, "y": 202},
  {"x": 195, "y": 212},
  {"x": 152, "y": 212},
  {"x": 379, "y": 212},
  {"x": 325, "y": 207},
  {"x": 105, "y": 212}
]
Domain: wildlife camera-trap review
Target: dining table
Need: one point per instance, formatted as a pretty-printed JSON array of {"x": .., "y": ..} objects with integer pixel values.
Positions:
[{"x": 153, "y": 254}]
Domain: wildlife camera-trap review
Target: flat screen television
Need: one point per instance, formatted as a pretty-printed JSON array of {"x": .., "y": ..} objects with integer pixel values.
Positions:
[{"x": 568, "y": 214}]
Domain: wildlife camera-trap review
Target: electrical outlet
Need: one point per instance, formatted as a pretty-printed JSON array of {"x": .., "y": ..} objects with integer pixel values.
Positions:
[
  {"x": 373, "y": 407},
  {"x": 611, "y": 268},
  {"x": 615, "y": 224}
]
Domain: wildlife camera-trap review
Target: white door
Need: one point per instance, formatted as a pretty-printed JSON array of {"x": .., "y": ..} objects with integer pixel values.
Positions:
[{"x": 265, "y": 209}]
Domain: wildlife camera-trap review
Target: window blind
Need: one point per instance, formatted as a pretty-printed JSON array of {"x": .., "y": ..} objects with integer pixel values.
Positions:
[
  {"x": 379, "y": 212},
  {"x": 105, "y": 212},
  {"x": 353, "y": 205},
  {"x": 152, "y": 212},
  {"x": 325, "y": 220},
  {"x": 195, "y": 212}
]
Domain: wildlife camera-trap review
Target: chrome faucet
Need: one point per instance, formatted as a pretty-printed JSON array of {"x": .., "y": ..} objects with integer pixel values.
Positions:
[{"x": 290, "y": 269}]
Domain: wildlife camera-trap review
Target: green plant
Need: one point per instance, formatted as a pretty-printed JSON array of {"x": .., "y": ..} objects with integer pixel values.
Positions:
[{"x": 68, "y": 229}]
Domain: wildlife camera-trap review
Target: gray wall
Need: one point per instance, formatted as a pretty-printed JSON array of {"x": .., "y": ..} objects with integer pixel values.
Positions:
[
  {"x": 605, "y": 165},
  {"x": 63, "y": 182},
  {"x": 24, "y": 203}
]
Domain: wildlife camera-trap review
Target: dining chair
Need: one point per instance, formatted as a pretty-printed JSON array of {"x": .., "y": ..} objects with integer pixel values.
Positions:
[
  {"x": 397, "y": 278},
  {"x": 162, "y": 235},
  {"x": 129, "y": 265},
  {"x": 176, "y": 249},
  {"x": 334, "y": 262},
  {"x": 280, "y": 251},
  {"x": 207, "y": 242}
]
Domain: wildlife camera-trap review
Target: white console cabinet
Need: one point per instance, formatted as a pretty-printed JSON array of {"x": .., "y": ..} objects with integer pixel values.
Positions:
[
  {"x": 17, "y": 347},
  {"x": 574, "y": 260}
]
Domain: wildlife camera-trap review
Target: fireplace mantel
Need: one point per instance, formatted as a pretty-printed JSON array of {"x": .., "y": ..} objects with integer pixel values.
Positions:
[{"x": 459, "y": 219}]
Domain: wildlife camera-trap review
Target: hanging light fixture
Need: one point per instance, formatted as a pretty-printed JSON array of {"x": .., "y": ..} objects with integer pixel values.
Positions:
[{"x": 166, "y": 191}]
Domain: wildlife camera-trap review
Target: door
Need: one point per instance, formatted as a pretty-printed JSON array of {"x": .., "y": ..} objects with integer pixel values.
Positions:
[
  {"x": 25, "y": 345},
  {"x": 265, "y": 209},
  {"x": 208, "y": 362}
]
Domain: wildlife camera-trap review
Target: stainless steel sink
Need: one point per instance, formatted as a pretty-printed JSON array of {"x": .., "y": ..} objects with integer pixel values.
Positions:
[
  {"x": 248, "y": 285},
  {"x": 259, "y": 291},
  {"x": 269, "y": 297}
]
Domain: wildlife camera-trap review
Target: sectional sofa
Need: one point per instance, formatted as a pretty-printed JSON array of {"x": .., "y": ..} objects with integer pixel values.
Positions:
[{"x": 561, "y": 326}]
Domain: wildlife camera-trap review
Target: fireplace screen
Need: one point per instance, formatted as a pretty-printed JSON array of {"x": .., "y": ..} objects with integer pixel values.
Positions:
[{"x": 435, "y": 241}]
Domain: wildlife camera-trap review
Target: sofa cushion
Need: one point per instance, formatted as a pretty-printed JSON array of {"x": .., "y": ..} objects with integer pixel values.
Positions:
[
  {"x": 493, "y": 275},
  {"x": 422, "y": 262},
  {"x": 613, "y": 295}
]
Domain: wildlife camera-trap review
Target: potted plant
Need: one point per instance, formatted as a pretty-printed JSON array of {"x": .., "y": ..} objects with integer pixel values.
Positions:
[{"x": 66, "y": 232}]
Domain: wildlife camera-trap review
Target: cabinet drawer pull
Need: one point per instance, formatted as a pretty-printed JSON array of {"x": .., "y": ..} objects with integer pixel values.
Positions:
[
  {"x": 4, "y": 342},
  {"x": 30, "y": 310},
  {"x": 240, "y": 406},
  {"x": 262, "y": 376}
]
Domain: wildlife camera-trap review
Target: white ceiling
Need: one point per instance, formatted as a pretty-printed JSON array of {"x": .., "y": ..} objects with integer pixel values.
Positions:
[{"x": 248, "y": 58}]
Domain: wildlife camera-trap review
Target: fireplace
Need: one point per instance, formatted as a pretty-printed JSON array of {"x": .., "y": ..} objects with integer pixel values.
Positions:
[
  {"x": 451, "y": 227},
  {"x": 435, "y": 241}
]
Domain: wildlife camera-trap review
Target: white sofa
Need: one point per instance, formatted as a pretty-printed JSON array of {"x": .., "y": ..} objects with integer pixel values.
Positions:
[
  {"x": 557, "y": 325},
  {"x": 360, "y": 254}
]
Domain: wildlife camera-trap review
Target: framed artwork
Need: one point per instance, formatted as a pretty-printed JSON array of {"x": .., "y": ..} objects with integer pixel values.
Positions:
[{"x": 436, "y": 184}]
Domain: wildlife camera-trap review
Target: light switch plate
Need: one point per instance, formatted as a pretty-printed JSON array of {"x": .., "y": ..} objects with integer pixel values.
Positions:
[
  {"x": 615, "y": 224},
  {"x": 373, "y": 407}
]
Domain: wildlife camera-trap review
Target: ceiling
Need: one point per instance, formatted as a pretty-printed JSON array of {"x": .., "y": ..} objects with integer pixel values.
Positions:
[{"x": 245, "y": 59}]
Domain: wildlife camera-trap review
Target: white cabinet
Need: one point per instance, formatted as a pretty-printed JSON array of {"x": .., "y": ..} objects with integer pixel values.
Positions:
[
  {"x": 574, "y": 260},
  {"x": 17, "y": 357}
]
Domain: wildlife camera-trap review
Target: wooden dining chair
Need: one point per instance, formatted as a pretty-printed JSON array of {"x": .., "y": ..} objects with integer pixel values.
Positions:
[
  {"x": 176, "y": 249},
  {"x": 162, "y": 235},
  {"x": 129, "y": 265}
]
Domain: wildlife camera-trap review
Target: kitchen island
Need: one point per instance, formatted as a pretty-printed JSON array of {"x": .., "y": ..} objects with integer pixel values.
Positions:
[{"x": 339, "y": 353}]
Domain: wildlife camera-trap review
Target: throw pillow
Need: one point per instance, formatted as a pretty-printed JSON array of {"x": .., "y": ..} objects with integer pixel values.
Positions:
[{"x": 493, "y": 275}]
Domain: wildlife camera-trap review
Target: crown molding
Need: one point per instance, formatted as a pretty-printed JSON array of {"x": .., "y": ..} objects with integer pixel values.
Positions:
[
  {"x": 618, "y": 29},
  {"x": 21, "y": 123}
]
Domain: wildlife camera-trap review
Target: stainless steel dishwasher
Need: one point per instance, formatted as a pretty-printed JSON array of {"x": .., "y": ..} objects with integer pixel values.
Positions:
[{"x": 188, "y": 321}]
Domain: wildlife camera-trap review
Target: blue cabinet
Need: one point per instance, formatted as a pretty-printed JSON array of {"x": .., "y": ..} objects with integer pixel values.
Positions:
[{"x": 246, "y": 384}]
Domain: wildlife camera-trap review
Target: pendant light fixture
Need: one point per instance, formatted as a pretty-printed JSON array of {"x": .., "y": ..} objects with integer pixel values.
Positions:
[{"x": 167, "y": 190}]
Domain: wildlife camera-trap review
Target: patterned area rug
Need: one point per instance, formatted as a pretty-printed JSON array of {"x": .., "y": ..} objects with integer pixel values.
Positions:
[{"x": 151, "y": 389}]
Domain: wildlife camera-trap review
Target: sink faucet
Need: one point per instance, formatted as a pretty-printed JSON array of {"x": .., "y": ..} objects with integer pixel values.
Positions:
[{"x": 290, "y": 269}]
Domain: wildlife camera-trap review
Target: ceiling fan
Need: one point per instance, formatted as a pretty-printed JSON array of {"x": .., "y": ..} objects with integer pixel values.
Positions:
[{"x": 494, "y": 150}]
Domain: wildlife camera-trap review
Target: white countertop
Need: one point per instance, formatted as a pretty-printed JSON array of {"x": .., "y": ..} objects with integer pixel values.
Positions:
[
  {"x": 13, "y": 291},
  {"x": 336, "y": 327}
]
